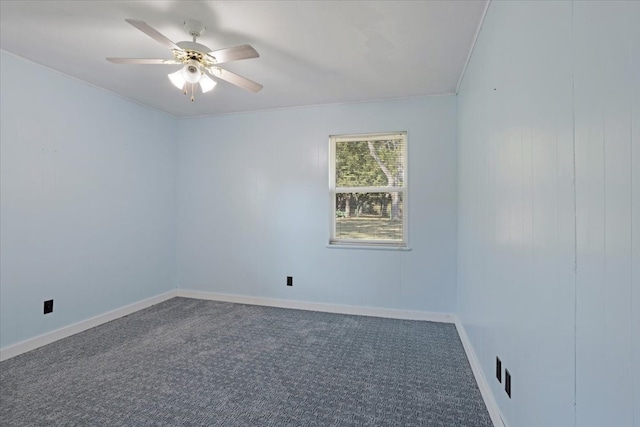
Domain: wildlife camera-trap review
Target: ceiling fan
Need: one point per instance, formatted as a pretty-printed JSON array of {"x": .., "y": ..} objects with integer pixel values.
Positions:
[{"x": 199, "y": 63}]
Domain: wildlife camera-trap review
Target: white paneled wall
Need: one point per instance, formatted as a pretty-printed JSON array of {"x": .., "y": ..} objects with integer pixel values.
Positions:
[
  {"x": 87, "y": 216},
  {"x": 548, "y": 268},
  {"x": 634, "y": 88},
  {"x": 607, "y": 127},
  {"x": 516, "y": 211},
  {"x": 253, "y": 207}
]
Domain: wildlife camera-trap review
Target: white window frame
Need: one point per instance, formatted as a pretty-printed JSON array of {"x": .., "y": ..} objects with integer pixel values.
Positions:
[{"x": 333, "y": 190}]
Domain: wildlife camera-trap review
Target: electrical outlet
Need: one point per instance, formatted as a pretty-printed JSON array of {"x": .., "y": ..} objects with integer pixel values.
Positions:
[
  {"x": 507, "y": 382},
  {"x": 48, "y": 306},
  {"x": 498, "y": 369},
  {"x": 289, "y": 280}
]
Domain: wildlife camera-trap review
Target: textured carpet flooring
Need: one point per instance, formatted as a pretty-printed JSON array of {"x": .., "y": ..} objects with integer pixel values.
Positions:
[{"x": 189, "y": 362}]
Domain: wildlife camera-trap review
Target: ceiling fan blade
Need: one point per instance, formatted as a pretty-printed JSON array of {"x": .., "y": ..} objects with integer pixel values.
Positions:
[
  {"x": 233, "y": 78},
  {"x": 235, "y": 53},
  {"x": 146, "y": 61},
  {"x": 153, "y": 33}
]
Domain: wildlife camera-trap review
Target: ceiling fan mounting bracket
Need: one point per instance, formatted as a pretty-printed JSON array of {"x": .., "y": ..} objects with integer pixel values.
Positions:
[{"x": 194, "y": 27}]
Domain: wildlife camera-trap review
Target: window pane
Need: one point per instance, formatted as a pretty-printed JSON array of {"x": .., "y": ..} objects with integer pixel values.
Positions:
[
  {"x": 369, "y": 216},
  {"x": 370, "y": 163}
]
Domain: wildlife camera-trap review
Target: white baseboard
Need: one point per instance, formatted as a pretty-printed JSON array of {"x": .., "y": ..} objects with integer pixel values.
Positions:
[
  {"x": 44, "y": 339},
  {"x": 324, "y": 307},
  {"x": 481, "y": 379}
]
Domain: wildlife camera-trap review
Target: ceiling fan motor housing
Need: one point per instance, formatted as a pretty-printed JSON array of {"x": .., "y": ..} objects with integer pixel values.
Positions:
[{"x": 193, "y": 51}]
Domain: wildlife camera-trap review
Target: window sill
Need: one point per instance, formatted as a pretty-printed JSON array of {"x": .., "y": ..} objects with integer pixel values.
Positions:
[{"x": 369, "y": 247}]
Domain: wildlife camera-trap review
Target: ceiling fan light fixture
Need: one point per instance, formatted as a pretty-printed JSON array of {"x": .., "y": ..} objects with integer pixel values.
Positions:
[
  {"x": 191, "y": 72},
  {"x": 177, "y": 79},
  {"x": 207, "y": 84}
]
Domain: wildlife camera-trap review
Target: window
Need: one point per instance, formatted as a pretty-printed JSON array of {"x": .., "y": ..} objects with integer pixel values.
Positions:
[{"x": 368, "y": 189}]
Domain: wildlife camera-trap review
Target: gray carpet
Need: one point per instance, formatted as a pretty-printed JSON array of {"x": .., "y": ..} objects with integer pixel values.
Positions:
[{"x": 189, "y": 362}]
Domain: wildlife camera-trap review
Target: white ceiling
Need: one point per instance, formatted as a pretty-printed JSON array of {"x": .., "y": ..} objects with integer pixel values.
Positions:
[{"x": 311, "y": 52}]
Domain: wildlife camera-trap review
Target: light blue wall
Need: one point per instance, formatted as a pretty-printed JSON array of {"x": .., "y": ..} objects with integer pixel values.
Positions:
[
  {"x": 88, "y": 201},
  {"x": 548, "y": 270},
  {"x": 95, "y": 189},
  {"x": 607, "y": 132},
  {"x": 253, "y": 207}
]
